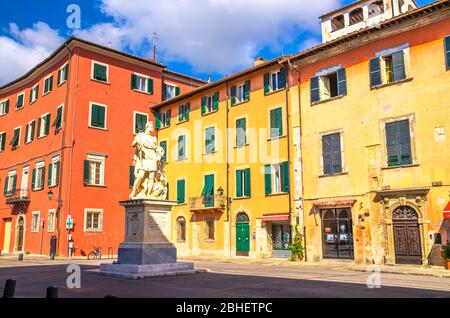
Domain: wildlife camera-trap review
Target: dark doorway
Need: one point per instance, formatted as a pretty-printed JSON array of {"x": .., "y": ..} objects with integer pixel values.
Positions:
[
  {"x": 407, "y": 236},
  {"x": 337, "y": 234},
  {"x": 281, "y": 240},
  {"x": 20, "y": 233}
]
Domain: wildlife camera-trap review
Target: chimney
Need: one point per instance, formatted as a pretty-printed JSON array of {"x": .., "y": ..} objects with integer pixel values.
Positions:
[
  {"x": 259, "y": 61},
  {"x": 209, "y": 78}
]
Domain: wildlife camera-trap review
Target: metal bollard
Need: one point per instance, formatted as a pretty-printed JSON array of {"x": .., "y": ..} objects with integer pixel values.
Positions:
[
  {"x": 52, "y": 292},
  {"x": 10, "y": 288}
]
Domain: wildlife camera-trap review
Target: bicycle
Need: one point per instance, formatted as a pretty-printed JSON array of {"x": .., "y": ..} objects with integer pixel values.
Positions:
[{"x": 95, "y": 254}]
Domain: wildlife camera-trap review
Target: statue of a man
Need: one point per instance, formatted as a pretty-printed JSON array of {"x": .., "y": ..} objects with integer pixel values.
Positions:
[{"x": 147, "y": 158}]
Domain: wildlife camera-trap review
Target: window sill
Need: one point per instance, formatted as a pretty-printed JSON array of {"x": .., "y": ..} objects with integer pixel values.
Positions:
[
  {"x": 276, "y": 138},
  {"x": 210, "y": 241},
  {"x": 333, "y": 175},
  {"x": 181, "y": 159},
  {"x": 40, "y": 137},
  {"x": 241, "y": 198},
  {"x": 37, "y": 190},
  {"x": 401, "y": 166},
  {"x": 182, "y": 122},
  {"x": 162, "y": 128},
  {"x": 406, "y": 80},
  {"x": 182, "y": 204},
  {"x": 95, "y": 186},
  {"x": 327, "y": 100},
  {"x": 241, "y": 103},
  {"x": 210, "y": 153},
  {"x": 142, "y": 92},
  {"x": 241, "y": 147},
  {"x": 276, "y": 194},
  {"x": 32, "y": 102},
  {"x": 99, "y": 81},
  {"x": 45, "y": 94},
  {"x": 98, "y": 128},
  {"x": 93, "y": 231},
  {"x": 19, "y": 108},
  {"x": 60, "y": 84},
  {"x": 274, "y": 92}
]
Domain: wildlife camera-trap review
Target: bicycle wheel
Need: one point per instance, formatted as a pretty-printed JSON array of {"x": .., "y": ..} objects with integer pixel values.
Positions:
[
  {"x": 92, "y": 255},
  {"x": 99, "y": 253}
]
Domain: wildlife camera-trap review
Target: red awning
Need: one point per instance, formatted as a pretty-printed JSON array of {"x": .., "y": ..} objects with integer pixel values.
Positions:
[
  {"x": 447, "y": 211},
  {"x": 275, "y": 217},
  {"x": 334, "y": 203}
]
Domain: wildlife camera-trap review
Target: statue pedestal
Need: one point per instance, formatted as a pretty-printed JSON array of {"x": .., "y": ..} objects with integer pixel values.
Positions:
[{"x": 147, "y": 250}]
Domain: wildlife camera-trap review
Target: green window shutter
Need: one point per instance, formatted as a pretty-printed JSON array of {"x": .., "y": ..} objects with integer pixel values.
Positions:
[
  {"x": 58, "y": 120},
  {"x": 268, "y": 179},
  {"x": 282, "y": 78},
  {"x": 5, "y": 190},
  {"x": 187, "y": 111},
  {"x": 181, "y": 191},
  {"x": 203, "y": 105},
  {"x": 7, "y": 106},
  {"x": 39, "y": 127},
  {"x": 66, "y": 72},
  {"x": 393, "y": 152},
  {"x": 209, "y": 180},
  {"x": 168, "y": 117},
  {"x": 241, "y": 127},
  {"x": 181, "y": 147},
  {"x": 375, "y": 72},
  {"x": 247, "y": 90},
  {"x": 50, "y": 173},
  {"x": 315, "y": 89},
  {"x": 150, "y": 86},
  {"x": 26, "y": 133},
  {"x": 42, "y": 180},
  {"x": 132, "y": 176},
  {"x": 86, "y": 172},
  {"x": 133, "y": 81},
  {"x": 37, "y": 92},
  {"x": 14, "y": 184},
  {"x": 98, "y": 116},
  {"x": 398, "y": 64},
  {"x": 30, "y": 98},
  {"x": 216, "y": 101},
  {"x": 326, "y": 155},
  {"x": 210, "y": 140},
  {"x": 47, "y": 124},
  {"x": 20, "y": 101},
  {"x": 33, "y": 124},
  {"x": 404, "y": 142},
  {"x": 239, "y": 191},
  {"x": 33, "y": 179},
  {"x": 100, "y": 72},
  {"x": 177, "y": 91},
  {"x": 140, "y": 123},
  {"x": 233, "y": 96},
  {"x": 285, "y": 177},
  {"x": 163, "y": 145},
  {"x": 3, "y": 142},
  {"x": 342, "y": 82},
  {"x": 59, "y": 81},
  {"x": 56, "y": 172},
  {"x": 247, "y": 183},
  {"x": 336, "y": 155},
  {"x": 164, "y": 91},
  {"x": 51, "y": 83},
  {"x": 276, "y": 123},
  {"x": 447, "y": 51},
  {"x": 180, "y": 113},
  {"x": 266, "y": 83},
  {"x": 157, "y": 120}
]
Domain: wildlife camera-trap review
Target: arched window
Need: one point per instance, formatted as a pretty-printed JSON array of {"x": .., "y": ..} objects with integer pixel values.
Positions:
[
  {"x": 405, "y": 213},
  {"x": 337, "y": 23},
  {"x": 328, "y": 215},
  {"x": 181, "y": 230},
  {"x": 376, "y": 8},
  {"x": 356, "y": 16},
  {"x": 242, "y": 218}
]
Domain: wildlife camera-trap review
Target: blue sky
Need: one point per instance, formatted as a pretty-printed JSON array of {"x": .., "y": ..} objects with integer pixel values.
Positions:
[{"x": 196, "y": 37}]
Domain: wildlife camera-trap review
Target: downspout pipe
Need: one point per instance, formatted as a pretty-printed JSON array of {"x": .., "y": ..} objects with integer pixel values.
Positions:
[{"x": 228, "y": 201}]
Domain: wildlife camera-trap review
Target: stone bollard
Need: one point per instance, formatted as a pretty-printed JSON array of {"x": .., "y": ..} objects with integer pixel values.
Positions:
[{"x": 10, "y": 288}]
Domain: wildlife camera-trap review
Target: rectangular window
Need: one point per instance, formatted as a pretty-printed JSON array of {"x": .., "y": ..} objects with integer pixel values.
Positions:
[
  {"x": 277, "y": 178},
  {"x": 63, "y": 74},
  {"x": 329, "y": 85},
  {"x": 51, "y": 221},
  {"x": 240, "y": 93},
  {"x": 141, "y": 83},
  {"x": 276, "y": 122},
  {"x": 210, "y": 231},
  {"x": 398, "y": 143},
  {"x": 241, "y": 132},
  {"x": 447, "y": 51},
  {"x": 275, "y": 81},
  {"x": 93, "y": 221},
  {"x": 48, "y": 85},
  {"x": 29, "y": 131},
  {"x": 2, "y": 141},
  {"x": 387, "y": 69},
  {"x": 243, "y": 183},
  {"x": 163, "y": 119},
  {"x": 100, "y": 72},
  {"x": 181, "y": 147},
  {"x": 94, "y": 170},
  {"x": 183, "y": 112},
  {"x": 43, "y": 125},
  {"x": 170, "y": 91},
  {"x": 163, "y": 145},
  {"x": 210, "y": 140},
  {"x": 35, "y": 220},
  {"x": 332, "y": 154},
  {"x": 53, "y": 172},
  {"x": 34, "y": 94},
  {"x": 210, "y": 103},
  {"x": 10, "y": 183},
  {"x": 4, "y": 107},
  {"x": 97, "y": 116},
  {"x": 15, "y": 141},
  {"x": 57, "y": 123},
  {"x": 20, "y": 101},
  {"x": 38, "y": 177},
  {"x": 181, "y": 191},
  {"x": 140, "y": 121}
]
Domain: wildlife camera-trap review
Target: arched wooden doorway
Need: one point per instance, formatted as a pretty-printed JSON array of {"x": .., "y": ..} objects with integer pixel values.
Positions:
[
  {"x": 242, "y": 235},
  {"x": 408, "y": 246}
]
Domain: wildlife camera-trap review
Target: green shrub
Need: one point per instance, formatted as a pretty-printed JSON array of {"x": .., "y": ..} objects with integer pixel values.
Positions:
[
  {"x": 297, "y": 249},
  {"x": 446, "y": 252}
]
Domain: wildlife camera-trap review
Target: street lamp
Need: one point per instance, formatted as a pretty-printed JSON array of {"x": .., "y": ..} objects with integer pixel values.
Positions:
[
  {"x": 50, "y": 195},
  {"x": 220, "y": 192}
]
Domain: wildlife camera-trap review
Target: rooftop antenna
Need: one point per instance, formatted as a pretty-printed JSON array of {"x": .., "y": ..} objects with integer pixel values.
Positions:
[{"x": 155, "y": 46}]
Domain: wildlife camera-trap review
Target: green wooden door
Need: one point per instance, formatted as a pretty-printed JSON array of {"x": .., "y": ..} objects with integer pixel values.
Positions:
[
  {"x": 208, "y": 196},
  {"x": 242, "y": 239}
]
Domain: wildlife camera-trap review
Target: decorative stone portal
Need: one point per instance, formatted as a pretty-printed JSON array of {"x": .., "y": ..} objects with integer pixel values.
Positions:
[
  {"x": 147, "y": 251},
  {"x": 407, "y": 236}
]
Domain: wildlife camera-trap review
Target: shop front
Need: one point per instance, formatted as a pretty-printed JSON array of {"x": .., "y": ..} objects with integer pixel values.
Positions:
[
  {"x": 280, "y": 233},
  {"x": 337, "y": 233}
]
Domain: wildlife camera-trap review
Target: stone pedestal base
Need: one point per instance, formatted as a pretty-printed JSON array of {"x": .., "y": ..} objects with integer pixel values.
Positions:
[{"x": 146, "y": 271}]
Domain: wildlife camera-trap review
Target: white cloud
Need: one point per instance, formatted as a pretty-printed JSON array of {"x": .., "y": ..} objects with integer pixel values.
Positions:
[
  {"x": 211, "y": 35},
  {"x": 25, "y": 48}
]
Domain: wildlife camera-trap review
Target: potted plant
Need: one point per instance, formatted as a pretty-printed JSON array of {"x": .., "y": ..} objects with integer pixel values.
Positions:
[
  {"x": 297, "y": 249},
  {"x": 446, "y": 254}
]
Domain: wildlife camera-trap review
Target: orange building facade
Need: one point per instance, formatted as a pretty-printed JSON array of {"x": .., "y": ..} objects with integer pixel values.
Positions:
[{"x": 66, "y": 129}]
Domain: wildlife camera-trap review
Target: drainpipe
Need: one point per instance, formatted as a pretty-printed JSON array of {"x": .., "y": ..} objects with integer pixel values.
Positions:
[{"x": 228, "y": 168}]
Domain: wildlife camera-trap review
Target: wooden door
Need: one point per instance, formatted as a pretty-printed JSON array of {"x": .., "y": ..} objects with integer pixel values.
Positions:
[
  {"x": 7, "y": 235},
  {"x": 242, "y": 239}
]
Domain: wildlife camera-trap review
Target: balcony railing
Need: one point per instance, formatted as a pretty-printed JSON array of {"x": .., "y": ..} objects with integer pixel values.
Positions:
[
  {"x": 17, "y": 196},
  {"x": 211, "y": 202}
]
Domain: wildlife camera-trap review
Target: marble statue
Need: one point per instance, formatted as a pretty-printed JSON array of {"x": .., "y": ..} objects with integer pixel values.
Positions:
[{"x": 150, "y": 180}]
